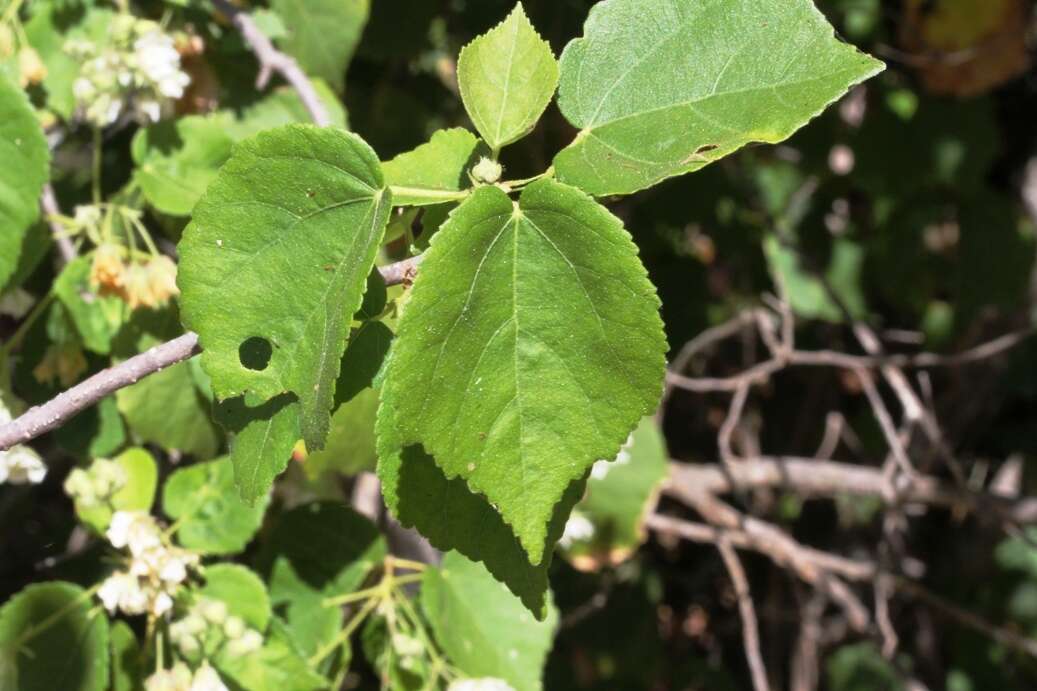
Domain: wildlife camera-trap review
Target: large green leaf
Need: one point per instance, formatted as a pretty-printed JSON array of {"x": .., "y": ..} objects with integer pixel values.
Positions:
[
  {"x": 452, "y": 517},
  {"x": 264, "y": 435},
  {"x": 507, "y": 77},
  {"x": 322, "y": 34},
  {"x": 434, "y": 172},
  {"x": 25, "y": 157},
  {"x": 660, "y": 88},
  {"x": 210, "y": 516},
  {"x": 484, "y": 630},
  {"x": 276, "y": 261},
  {"x": 530, "y": 348},
  {"x": 70, "y": 654},
  {"x": 177, "y": 159}
]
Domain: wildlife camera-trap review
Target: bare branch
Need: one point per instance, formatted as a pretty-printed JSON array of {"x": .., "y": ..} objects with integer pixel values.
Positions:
[
  {"x": 272, "y": 60},
  {"x": 49, "y": 204},
  {"x": 65, "y": 406},
  {"x": 750, "y": 625}
]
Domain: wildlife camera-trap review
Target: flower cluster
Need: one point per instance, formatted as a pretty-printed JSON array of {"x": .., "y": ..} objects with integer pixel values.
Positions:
[
  {"x": 180, "y": 678},
  {"x": 149, "y": 283},
  {"x": 19, "y": 465},
  {"x": 156, "y": 569},
  {"x": 31, "y": 69},
  {"x": 96, "y": 485},
  {"x": 136, "y": 71},
  {"x": 61, "y": 362},
  {"x": 208, "y": 628},
  {"x": 484, "y": 684}
]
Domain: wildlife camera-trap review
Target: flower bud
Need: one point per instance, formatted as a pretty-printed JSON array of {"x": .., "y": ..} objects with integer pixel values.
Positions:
[{"x": 487, "y": 171}]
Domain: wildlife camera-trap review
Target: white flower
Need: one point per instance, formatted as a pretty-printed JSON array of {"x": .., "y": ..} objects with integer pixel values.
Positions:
[
  {"x": 158, "y": 61},
  {"x": 176, "y": 679},
  {"x": 161, "y": 604},
  {"x": 151, "y": 109},
  {"x": 484, "y": 684},
  {"x": 577, "y": 529},
  {"x": 206, "y": 679},
  {"x": 249, "y": 642},
  {"x": 20, "y": 465},
  {"x": 135, "y": 530},
  {"x": 123, "y": 591}
]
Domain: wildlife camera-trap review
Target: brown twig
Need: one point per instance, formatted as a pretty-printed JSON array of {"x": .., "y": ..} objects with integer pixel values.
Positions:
[
  {"x": 272, "y": 60},
  {"x": 49, "y": 204},
  {"x": 750, "y": 624},
  {"x": 66, "y": 405}
]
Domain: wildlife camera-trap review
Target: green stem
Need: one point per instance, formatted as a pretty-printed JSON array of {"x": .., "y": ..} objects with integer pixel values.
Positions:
[
  {"x": 429, "y": 195},
  {"x": 95, "y": 181},
  {"x": 345, "y": 633},
  {"x": 369, "y": 592}
]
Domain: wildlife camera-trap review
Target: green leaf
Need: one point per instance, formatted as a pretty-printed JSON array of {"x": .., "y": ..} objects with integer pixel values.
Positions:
[
  {"x": 241, "y": 590},
  {"x": 434, "y": 172},
  {"x": 137, "y": 494},
  {"x": 282, "y": 106},
  {"x": 452, "y": 517},
  {"x": 70, "y": 654},
  {"x": 97, "y": 318},
  {"x": 620, "y": 493},
  {"x": 127, "y": 672},
  {"x": 177, "y": 159},
  {"x": 531, "y": 347},
  {"x": 808, "y": 294},
  {"x": 322, "y": 34},
  {"x": 351, "y": 443},
  {"x": 276, "y": 261},
  {"x": 166, "y": 408},
  {"x": 507, "y": 77},
  {"x": 49, "y": 29},
  {"x": 264, "y": 436},
  {"x": 484, "y": 630},
  {"x": 660, "y": 88},
  {"x": 25, "y": 157},
  {"x": 274, "y": 667},
  {"x": 212, "y": 519},
  {"x": 317, "y": 551}
]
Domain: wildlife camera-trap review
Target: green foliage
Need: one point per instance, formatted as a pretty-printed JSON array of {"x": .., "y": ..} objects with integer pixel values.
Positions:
[
  {"x": 22, "y": 175},
  {"x": 97, "y": 318},
  {"x": 52, "y": 638},
  {"x": 310, "y": 24},
  {"x": 300, "y": 182},
  {"x": 620, "y": 494},
  {"x": 177, "y": 160},
  {"x": 435, "y": 171},
  {"x": 210, "y": 517},
  {"x": 507, "y": 77},
  {"x": 473, "y": 618},
  {"x": 516, "y": 278},
  {"x": 241, "y": 590},
  {"x": 137, "y": 494},
  {"x": 650, "y": 104}
]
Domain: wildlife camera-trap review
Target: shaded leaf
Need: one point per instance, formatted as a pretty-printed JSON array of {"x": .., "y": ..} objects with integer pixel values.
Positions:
[
  {"x": 322, "y": 34},
  {"x": 211, "y": 517},
  {"x": 241, "y": 590},
  {"x": 483, "y": 629}
]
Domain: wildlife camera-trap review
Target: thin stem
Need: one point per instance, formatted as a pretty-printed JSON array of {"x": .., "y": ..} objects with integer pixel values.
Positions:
[
  {"x": 369, "y": 592},
  {"x": 54, "y": 618},
  {"x": 95, "y": 178},
  {"x": 345, "y": 633}
]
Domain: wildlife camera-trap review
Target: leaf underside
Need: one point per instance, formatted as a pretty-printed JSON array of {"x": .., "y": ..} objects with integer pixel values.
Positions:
[{"x": 660, "y": 88}]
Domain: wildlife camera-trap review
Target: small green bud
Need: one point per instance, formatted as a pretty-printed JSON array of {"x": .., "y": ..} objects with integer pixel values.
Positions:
[
  {"x": 487, "y": 171},
  {"x": 214, "y": 611},
  {"x": 234, "y": 627}
]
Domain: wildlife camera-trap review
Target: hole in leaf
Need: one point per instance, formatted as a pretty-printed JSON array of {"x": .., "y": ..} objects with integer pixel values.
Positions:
[
  {"x": 255, "y": 353},
  {"x": 705, "y": 148}
]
